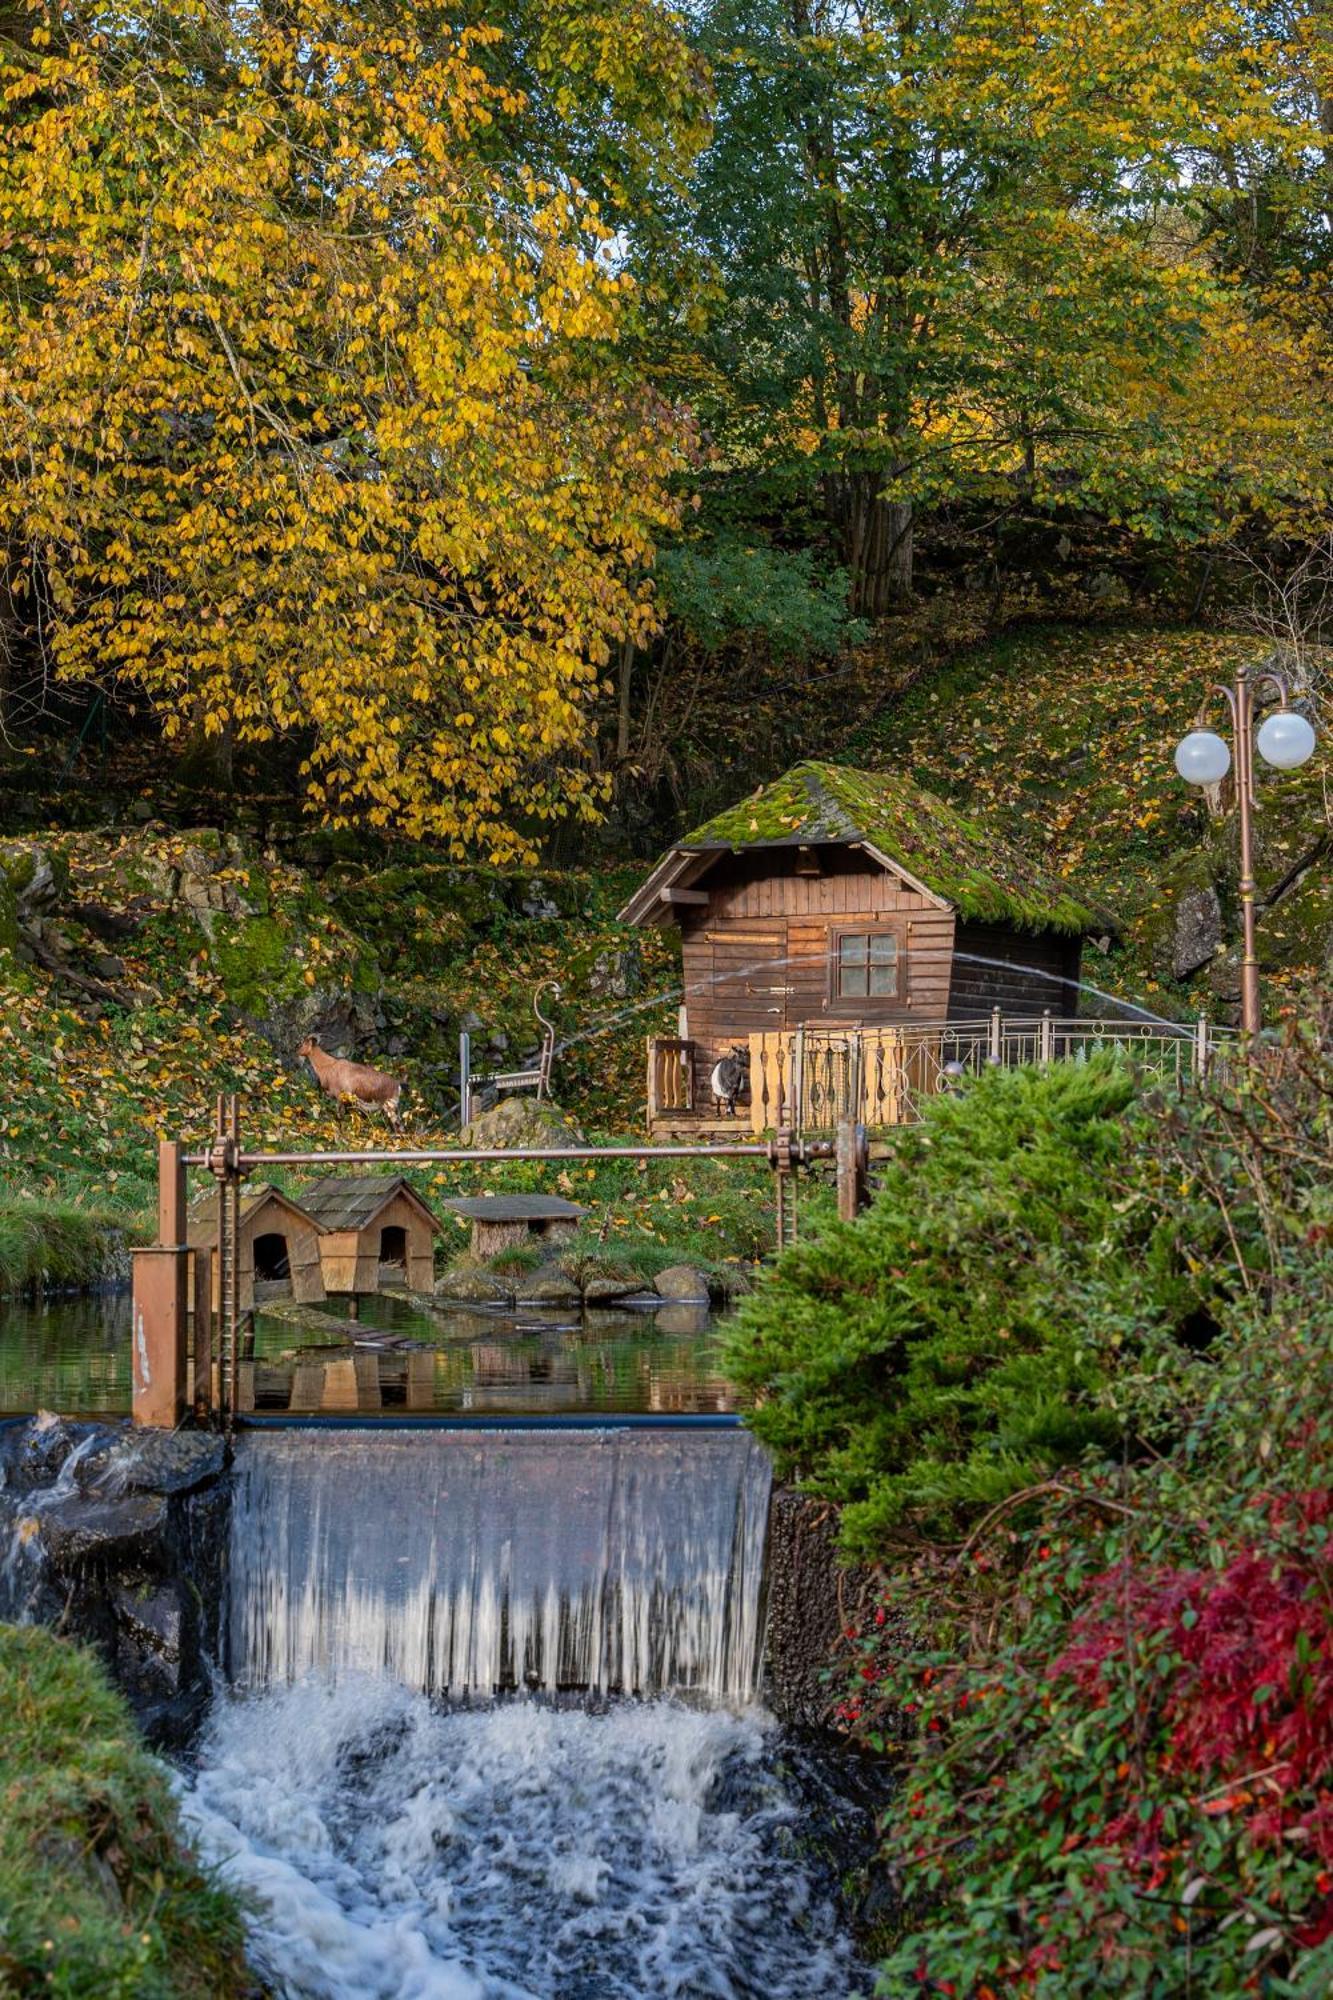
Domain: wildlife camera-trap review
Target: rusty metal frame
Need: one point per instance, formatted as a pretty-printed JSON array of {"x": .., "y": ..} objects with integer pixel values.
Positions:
[{"x": 231, "y": 1164}]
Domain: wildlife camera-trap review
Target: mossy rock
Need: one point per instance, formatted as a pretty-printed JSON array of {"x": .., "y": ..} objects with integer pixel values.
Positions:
[
  {"x": 521, "y": 1121},
  {"x": 1176, "y": 902},
  {"x": 1297, "y": 933},
  {"x": 469, "y": 1282},
  {"x": 35, "y": 872},
  {"x": 263, "y": 967}
]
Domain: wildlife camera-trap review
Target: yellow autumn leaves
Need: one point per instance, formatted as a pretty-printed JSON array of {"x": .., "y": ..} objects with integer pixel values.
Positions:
[{"x": 312, "y": 420}]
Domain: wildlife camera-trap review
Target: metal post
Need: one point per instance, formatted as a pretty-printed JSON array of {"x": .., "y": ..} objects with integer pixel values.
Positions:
[
  {"x": 851, "y": 1155},
  {"x": 224, "y": 1160},
  {"x": 159, "y": 1303},
  {"x": 205, "y": 1358},
  {"x": 1250, "y": 1018},
  {"x": 1047, "y": 1044},
  {"x": 464, "y": 1079},
  {"x": 996, "y": 1049},
  {"x": 1201, "y": 1047}
]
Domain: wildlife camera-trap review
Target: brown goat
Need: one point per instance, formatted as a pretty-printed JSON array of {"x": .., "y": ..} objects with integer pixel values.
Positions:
[{"x": 370, "y": 1088}]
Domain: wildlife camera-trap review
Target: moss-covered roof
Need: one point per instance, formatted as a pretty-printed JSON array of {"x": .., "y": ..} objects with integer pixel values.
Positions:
[{"x": 951, "y": 853}]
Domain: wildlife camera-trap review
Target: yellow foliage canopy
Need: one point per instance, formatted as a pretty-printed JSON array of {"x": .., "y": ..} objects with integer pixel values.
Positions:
[{"x": 311, "y": 416}]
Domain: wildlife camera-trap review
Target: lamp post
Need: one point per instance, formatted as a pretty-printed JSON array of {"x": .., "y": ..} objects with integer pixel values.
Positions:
[{"x": 1286, "y": 741}]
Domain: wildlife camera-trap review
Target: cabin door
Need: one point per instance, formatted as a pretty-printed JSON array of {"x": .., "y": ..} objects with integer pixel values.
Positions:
[
  {"x": 806, "y": 997},
  {"x": 747, "y": 994}
]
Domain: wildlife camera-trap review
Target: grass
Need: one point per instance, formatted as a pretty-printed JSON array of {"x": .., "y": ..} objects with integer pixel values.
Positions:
[
  {"x": 99, "y": 1897},
  {"x": 59, "y": 1242}
]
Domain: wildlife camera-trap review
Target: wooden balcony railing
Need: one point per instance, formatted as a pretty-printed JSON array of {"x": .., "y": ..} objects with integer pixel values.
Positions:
[
  {"x": 811, "y": 1078},
  {"x": 670, "y": 1077}
]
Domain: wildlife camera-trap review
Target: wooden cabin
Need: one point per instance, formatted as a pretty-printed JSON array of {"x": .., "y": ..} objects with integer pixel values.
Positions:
[
  {"x": 375, "y": 1230},
  {"x": 278, "y": 1254},
  {"x": 507, "y": 1221},
  {"x": 842, "y": 926}
]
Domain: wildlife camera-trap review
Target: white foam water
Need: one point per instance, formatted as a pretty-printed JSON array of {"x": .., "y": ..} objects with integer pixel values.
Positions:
[
  {"x": 463, "y": 1564},
  {"x": 395, "y": 1849}
]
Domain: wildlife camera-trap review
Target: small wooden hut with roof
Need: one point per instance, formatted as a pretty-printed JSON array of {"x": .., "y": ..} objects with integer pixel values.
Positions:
[
  {"x": 508, "y": 1221},
  {"x": 278, "y": 1253},
  {"x": 849, "y": 905},
  {"x": 374, "y": 1228}
]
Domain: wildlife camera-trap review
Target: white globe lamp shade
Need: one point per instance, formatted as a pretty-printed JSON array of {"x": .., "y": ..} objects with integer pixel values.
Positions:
[
  {"x": 1285, "y": 740},
  {"x": 1202, "y": 758}
]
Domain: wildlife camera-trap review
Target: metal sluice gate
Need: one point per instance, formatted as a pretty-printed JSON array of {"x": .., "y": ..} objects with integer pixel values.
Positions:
[{"x": 175, "y": 1292}]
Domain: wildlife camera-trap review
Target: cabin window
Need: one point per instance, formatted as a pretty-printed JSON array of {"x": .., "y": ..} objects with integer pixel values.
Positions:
[{"x": 867, "y": 967}]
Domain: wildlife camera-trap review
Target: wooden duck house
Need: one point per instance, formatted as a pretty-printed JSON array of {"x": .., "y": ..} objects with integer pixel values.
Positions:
[
  {"x": 507, "y": 1221},
  {"x": 278, "y": 1252},
  {"x": 861, "y": 915},
  {"x": 375, "y": 1230}
]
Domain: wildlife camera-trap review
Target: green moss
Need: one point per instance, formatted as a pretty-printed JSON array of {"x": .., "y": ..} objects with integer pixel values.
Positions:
[
  {"x": 99, "y": 1898},
  {"x": 253, "y": 956},
  {"x": 955, "y": 856}
]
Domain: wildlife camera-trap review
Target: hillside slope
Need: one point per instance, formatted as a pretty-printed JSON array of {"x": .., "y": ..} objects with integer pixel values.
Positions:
[
  {"x": 147, "y": 966},
  {"x": 1065, "y": 737}
]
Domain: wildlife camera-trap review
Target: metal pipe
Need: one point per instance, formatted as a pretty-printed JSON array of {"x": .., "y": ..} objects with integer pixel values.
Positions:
[{"x": 444, "y": 1155}]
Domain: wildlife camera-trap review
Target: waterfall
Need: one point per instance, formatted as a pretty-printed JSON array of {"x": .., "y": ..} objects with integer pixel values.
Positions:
[{"x": 626, "y": 1561}]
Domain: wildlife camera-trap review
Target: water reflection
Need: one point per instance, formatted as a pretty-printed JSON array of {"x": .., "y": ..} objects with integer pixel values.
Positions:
[
  {"x": 531, "y": 1361},
  {"x": 73, "y": 1355}
]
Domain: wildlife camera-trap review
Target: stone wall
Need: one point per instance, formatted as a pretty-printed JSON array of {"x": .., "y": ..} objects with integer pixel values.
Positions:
[{"x": 812, "y": 1600}]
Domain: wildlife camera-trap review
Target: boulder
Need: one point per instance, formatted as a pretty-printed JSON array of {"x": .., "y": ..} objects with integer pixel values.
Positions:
[
  {"x": 550, "y": 1286},
  {"x": 1196, "y": 930},
  {"x": 37, "y": 876},
  {"x": 469, "y": 1285},
  {"x": 75, "y": 1530},
  {"x": 151, "y": 1618},
  {"x": 684, "y": 1282},
  {"x": 522, "y": 1121},
  {"x": 538, "y": 902},
  {"x": 34, "y": 1450},
  {"x": 166, "y": 1462},
  {"x": 602, "y": 1291}
]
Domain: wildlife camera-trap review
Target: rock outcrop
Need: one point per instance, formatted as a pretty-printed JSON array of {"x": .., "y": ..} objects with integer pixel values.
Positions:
[
  {"x": 522, "y": 1121},
  {"x": 118, "y": 1537}
]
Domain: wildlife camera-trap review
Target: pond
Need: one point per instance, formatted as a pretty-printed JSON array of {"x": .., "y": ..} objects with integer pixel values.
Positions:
[{"x": 73, "y": 1355}]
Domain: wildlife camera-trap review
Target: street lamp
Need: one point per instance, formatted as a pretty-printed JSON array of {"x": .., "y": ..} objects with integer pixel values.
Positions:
[{"x": 1285, "y": 740}]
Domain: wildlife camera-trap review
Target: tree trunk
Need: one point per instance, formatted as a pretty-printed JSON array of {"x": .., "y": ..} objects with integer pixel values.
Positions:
[
  {"x": 623, "y": 710},
  {"x": 877, "y": 539}
]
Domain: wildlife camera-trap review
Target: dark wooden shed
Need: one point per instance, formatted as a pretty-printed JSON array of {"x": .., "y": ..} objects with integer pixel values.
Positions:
[
  {"x": 373, "y": 1228},
  {"x": 501, "y": 1221},
  {"x": 851, "y": 908},
  {"x": 277, "y": 1253}
]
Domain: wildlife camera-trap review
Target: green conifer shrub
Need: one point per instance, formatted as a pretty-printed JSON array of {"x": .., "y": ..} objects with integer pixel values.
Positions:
[{"x": 952, "y": 1346}]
